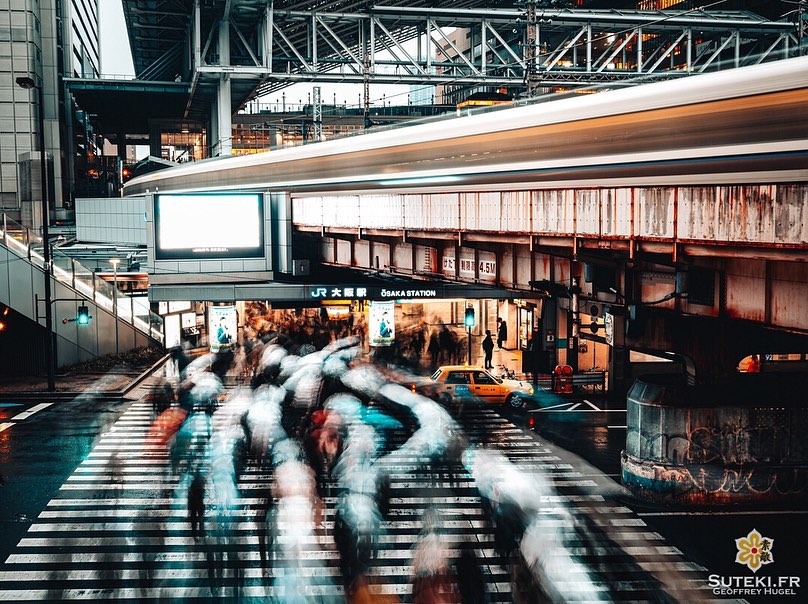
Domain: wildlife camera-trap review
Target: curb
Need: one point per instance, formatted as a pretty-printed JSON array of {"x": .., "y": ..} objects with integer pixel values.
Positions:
[{"x": 108, "y": 395}]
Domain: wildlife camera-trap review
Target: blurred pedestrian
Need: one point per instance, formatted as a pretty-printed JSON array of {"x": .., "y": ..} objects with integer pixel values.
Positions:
[
  {"x": 434, "y": 349},
  {"x": 488, "y": 349},
  {"x": 470, "y": 580},
  {"x": 432, "y": 582},
  {"x": 196, "y": 506}
]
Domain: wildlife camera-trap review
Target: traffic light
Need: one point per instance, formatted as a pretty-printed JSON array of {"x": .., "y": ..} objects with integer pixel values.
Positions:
[
  {"x": 83, "y": 316},
  {"x": 469, "y": 317}
]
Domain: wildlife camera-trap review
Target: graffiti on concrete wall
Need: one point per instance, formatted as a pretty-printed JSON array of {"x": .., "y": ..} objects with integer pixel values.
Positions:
[
  {"x": 718, "y": 453},
  {"x": 714, "y": 482}
]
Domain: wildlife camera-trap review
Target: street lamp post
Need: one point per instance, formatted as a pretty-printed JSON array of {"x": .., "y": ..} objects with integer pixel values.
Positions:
[
  {"x": 115, "y": 262},
  {"x": 28, "y": 83}
]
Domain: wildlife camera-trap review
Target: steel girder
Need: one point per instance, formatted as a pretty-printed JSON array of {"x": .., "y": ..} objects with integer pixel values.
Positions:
[
  {"x": 272, "y": 44},
  {"x": 573, "y": 47}
]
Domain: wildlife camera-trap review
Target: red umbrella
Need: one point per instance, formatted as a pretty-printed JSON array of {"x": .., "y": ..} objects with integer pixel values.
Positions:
[{"x": 166, "y": 425}]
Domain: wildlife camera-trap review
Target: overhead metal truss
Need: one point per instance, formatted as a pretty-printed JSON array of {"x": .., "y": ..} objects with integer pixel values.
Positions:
[
  {"x": 231, "y": 51},
  {"x": 572, "y": 47}
]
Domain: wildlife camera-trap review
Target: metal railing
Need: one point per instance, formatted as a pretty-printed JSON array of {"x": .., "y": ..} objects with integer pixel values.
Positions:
[{"x": 84, "y": 281}]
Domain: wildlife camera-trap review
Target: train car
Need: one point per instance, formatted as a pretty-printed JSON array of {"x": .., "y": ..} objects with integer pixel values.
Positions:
[
  {"x": 721, "y": 127},
  {"x": 486, "y": 99}
]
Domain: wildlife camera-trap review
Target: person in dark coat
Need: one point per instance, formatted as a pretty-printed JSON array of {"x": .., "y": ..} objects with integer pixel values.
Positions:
[
  {"x": 488, "y": 349},
  {"x": 532, "y": 355},
  {"x": 470, "y": 579},
  {"x": 502, "y": 333},
  {"x": 196, "y": 506}
]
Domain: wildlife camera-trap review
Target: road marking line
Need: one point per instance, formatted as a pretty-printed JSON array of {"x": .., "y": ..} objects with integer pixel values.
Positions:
[
  {"x": 727, "y": 513},
  {"x": 35, "y": 409},
  {"x": 556, "y": 406},
  {"x": 595, "y": 407},
  {"x": 616, "y": 427},
  {"x": 5, "y": 425}
]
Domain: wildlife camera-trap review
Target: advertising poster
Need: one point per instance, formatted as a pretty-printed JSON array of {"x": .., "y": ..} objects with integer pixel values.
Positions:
[
  {"x": 223, "y": 327},
  {"x": 381, "y": 324}
]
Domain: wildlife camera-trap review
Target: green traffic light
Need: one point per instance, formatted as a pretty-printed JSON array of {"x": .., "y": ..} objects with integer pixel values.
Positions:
[
  {"x": 470, "y": 317},
  {"x": 83, "y": 316}
]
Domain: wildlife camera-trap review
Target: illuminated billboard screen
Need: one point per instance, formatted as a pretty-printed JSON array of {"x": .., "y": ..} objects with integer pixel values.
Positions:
[{"x": 199, "y": 226}]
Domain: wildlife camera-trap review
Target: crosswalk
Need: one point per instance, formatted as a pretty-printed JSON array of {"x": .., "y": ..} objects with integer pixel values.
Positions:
[{"x": 116, "y": 532}]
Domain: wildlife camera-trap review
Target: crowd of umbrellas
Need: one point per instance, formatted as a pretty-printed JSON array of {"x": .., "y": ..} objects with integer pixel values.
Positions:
[{"x": 332, "y": 425}]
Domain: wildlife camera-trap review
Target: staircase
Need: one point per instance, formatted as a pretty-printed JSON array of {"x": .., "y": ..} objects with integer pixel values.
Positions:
[{"x": 22, "y": 286}]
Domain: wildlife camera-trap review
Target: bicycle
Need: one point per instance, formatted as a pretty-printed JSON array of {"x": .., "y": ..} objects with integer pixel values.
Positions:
[{"x": 505, "y": 373}]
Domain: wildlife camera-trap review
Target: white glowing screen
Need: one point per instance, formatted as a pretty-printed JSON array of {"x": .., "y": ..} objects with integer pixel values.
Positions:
[{"x": 209, "y": 222}]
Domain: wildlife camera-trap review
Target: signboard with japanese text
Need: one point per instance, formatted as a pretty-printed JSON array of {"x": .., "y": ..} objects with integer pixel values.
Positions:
[
  {"x": 381, "y": 324},
  {"x": 405, "y": 291}
]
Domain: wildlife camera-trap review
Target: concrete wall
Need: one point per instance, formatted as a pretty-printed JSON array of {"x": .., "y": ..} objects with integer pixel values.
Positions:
[
  {"x": 121, "y": 221},
  {"x": 738, "y": 441}
]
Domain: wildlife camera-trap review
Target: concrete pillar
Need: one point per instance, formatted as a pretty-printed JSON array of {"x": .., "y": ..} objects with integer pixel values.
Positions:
[
  {"x": 224, "y": 132},
  {"x": 121, "y": 147},
  {"x": 155, "y": 141},
  {"x": 223, "y": 145}
]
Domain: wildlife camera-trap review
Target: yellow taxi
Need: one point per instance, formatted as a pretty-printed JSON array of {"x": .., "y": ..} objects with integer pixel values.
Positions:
[{"x": 458, "y": 382}]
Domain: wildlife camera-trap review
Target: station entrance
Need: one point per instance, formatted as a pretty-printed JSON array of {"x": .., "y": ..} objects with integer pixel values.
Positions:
[{"x": 425, "y": 321}]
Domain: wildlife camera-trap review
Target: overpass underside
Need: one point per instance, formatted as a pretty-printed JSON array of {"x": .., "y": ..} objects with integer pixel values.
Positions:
[{"x": 712, "y": 273}]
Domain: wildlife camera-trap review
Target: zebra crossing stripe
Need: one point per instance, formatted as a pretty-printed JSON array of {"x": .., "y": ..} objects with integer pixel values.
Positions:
[{"x": 106, "y": 526}]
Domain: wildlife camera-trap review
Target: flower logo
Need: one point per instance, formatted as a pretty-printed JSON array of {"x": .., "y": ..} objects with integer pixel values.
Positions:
[{"x": 754, "y": 550}]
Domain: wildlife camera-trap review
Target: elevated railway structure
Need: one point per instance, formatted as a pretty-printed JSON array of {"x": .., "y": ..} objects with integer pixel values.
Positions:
[{"x": 683, "y": 201}]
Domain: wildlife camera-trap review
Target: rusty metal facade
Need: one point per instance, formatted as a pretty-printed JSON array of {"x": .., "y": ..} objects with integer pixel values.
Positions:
[
  {"x": 757, "y": 215},
  {"x": 513, "y": 238}
]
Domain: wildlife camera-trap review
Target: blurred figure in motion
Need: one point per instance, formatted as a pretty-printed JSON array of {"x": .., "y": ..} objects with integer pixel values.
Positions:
[
  {"x": 162, "y": 397},
  {"x": 196, "y": 506},
  {"x": 470, "y": 580},
  {"x": 433, "y": 582},
  {"x": 434, "y": 350},
  {"x": 293, "y": 519},
  {"x": 362, "y": 592},
  {"x": 180, "y": 359}
]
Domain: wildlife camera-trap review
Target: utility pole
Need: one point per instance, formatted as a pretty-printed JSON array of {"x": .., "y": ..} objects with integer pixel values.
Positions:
[
  {"x": 115, "y": 262},
  {"x": 529, "y": 50},
  {"x": 366, "y": 77},
  {"x": 50, "y": 359},
  {"x": 317, "y": 115}
]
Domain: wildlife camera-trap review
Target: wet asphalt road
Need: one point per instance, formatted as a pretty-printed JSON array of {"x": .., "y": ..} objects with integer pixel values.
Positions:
[
  {"x": 38, "y": 454},
  {"x": 707, "y": 537}
]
